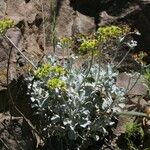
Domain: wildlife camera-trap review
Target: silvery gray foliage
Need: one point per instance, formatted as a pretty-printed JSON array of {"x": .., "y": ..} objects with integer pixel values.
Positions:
[{"x": 87, "y": 104}]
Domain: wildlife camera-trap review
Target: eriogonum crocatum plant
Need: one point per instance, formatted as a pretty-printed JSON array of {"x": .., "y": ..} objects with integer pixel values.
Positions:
[{"x": 81, "y": 101}]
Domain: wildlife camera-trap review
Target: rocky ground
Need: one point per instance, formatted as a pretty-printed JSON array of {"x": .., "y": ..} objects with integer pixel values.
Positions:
[{"x": 37, "y": 23}]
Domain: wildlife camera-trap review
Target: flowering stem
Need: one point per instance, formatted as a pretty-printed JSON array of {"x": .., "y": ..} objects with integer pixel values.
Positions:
[{"x": 132, "y": 113}]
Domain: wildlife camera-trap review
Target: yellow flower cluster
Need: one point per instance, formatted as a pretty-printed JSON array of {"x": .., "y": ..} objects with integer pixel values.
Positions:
[
  {"x": 5, "y": 24},
  {"x": 66, "y": 42},
  {"x": 54, "y": 73},
  {"x": 108, "y": 32},
  {"x": 88, "y": 45},
  {"x": 43, "y": 71},
  {"x": 56, "y": 83},
  {"x": 58, "y": 70},
  {"x": 46, "y": 69},
  {"x": 85, "y": 44}
]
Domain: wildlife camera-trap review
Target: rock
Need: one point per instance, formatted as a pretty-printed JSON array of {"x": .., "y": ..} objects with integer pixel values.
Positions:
[
  {"x": 2, "y": 8},
  {"x": 133, "y": 83},
  {"x": 70, "y": 22},
  {"x": 14, "y": 34},
  {"x": 15, "y": 134},
  {"x": 5, "y": 48},
  {"x": 19, "y": 10},
  {"x": 83, "y": 24},
  {"x": 64, "y": 20}
]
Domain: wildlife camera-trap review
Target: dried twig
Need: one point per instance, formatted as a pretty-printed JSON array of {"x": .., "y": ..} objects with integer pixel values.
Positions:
[
  {"x": 124, "y": 57},
  {"x": 36, "y": 133},
  {"x": 20, "y": 51},
  {"x": 4, "y": 143}
]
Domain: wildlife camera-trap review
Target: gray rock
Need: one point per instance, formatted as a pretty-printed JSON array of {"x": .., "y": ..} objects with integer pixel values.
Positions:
[
  {"x": 2, "y": 8},
  {"x": 133, "y": 83}
]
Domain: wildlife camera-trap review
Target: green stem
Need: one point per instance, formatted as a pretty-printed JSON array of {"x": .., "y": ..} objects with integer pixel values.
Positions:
[{"x": 132, "y": 113}]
